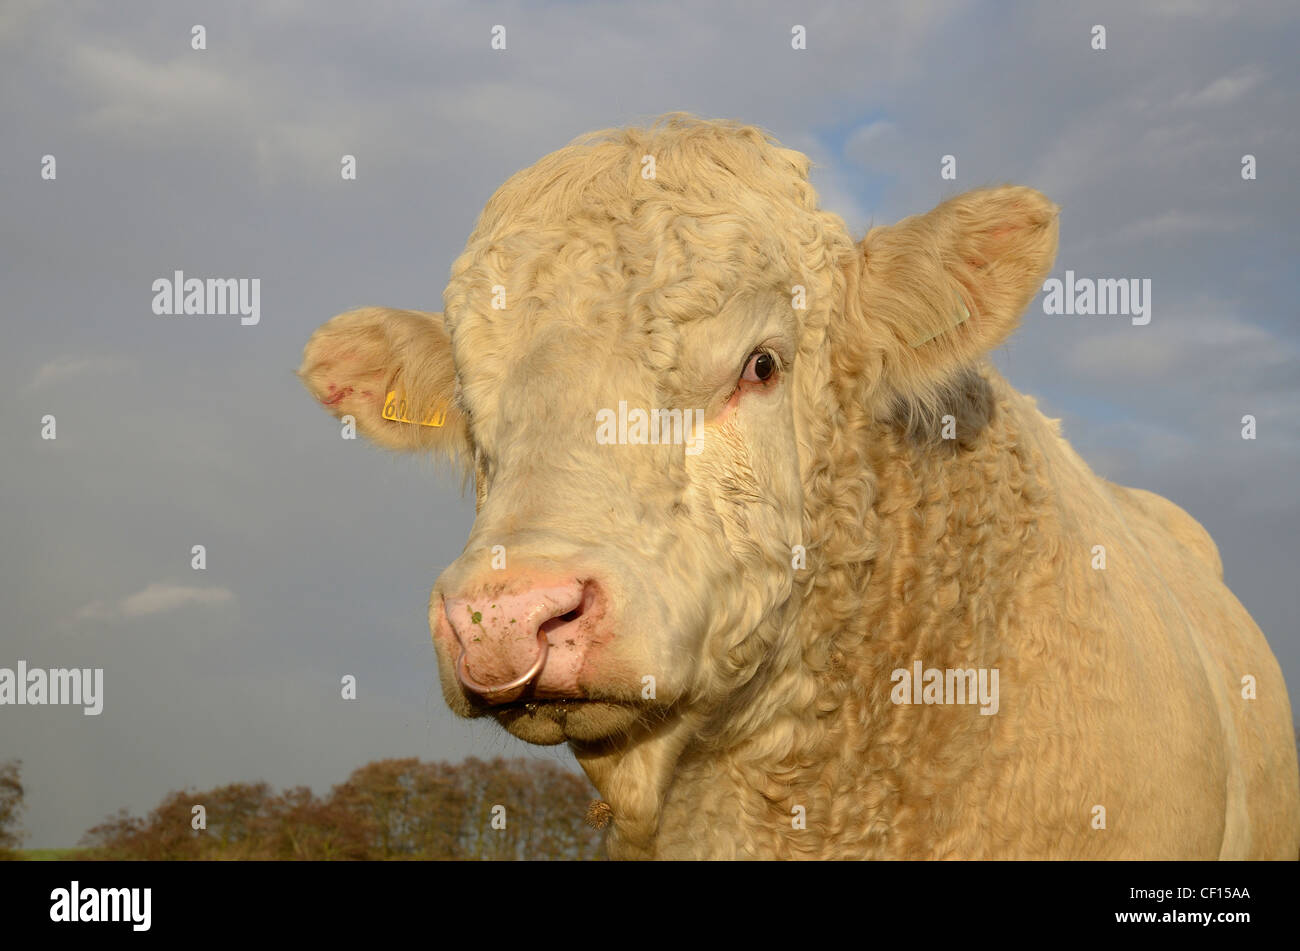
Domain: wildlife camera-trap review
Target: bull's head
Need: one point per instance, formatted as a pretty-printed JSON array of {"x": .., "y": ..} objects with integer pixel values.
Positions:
[{"x": 630, "y": 572}]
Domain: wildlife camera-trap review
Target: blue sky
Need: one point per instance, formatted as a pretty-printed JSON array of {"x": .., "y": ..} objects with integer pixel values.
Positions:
[{"x": 321, "y": 553}]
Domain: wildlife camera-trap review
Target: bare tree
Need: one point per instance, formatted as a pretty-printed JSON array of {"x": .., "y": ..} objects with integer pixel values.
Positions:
[{"x": 11, "y": 806}]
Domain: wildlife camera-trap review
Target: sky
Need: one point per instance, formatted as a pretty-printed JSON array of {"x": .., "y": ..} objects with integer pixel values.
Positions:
[{"x": 175, "y": 432}]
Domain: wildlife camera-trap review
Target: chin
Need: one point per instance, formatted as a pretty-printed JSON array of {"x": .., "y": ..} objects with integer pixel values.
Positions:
[{"x": 547, "y": 722}]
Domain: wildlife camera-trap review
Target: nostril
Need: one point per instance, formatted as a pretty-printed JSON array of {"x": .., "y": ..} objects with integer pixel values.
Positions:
[
  {"x": 560, "y": 620},
  {"x": 590, "y": 597},
  {"x": 584, "y": 604}
]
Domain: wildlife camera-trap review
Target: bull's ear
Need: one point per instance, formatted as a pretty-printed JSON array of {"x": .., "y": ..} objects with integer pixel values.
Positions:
[
  {"x": 392, "y": 371},
  {"x": 938, "y": 290}
]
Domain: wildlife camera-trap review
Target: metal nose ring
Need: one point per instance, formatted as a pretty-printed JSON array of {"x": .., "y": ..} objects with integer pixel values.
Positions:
[{"x": 463, "y": 675}]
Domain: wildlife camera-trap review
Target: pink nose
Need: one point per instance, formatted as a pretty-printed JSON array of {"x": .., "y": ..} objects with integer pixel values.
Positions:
[{"x": 533, "y": 635}]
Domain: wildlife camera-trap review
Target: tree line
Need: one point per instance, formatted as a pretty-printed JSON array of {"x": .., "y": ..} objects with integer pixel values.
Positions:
[{"x": 387, "y": 809}]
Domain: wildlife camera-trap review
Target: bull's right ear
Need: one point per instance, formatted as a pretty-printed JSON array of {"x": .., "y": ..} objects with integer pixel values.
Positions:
[
  {"x": 940, "y": 290},
  {"x": 392, "y": 371}
]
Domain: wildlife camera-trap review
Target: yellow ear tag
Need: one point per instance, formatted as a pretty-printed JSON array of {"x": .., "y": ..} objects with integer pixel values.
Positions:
[
  {"x": 965, "y": 314},
  {"x": 395, "y": 411}
]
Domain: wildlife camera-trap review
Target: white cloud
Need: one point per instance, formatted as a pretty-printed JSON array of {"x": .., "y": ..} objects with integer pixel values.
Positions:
[
  {"x": 1226, "y": 89},
  {"x": 139, "y": 93},
  {"x": 65, "y": 368},
  {"x": 1171, "y": 224},
  {"x": 155, "y": 599},
  {"x": 1192, "y": 339}
]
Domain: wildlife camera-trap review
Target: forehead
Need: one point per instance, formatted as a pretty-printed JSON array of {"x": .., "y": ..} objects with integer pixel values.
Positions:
[{"x": 633, "y": 230}]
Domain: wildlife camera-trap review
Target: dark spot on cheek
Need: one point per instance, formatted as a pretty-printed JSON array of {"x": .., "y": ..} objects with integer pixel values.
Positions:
[{"x": 966, "y": 396}]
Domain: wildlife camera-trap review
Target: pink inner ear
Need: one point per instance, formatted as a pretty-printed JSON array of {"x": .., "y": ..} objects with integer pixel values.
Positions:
[
  {"x": 999, "y": 236},
  {"x": 337, "y": 397}
]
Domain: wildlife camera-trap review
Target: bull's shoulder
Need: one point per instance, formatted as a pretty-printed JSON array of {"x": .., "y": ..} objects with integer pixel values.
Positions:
[{"x": 1186, "y": 531}]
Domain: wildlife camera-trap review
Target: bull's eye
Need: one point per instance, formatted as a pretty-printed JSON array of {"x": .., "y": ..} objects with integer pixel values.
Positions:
[{"x": 760, "y": 367}]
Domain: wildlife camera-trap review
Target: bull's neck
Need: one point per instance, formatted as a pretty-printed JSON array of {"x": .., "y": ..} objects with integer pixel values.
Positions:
[
  {"x": 906, "y": 561},
  {"x": 931, "y": 544}
]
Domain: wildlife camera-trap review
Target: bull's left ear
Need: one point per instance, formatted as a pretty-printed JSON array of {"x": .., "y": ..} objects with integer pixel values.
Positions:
[{"x": 939, "y": 290}]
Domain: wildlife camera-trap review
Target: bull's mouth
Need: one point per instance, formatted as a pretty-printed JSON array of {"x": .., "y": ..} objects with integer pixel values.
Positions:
[
  {"x": 550, "y": 721},
  {"x": 559, "y": 704}
]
